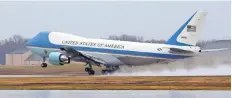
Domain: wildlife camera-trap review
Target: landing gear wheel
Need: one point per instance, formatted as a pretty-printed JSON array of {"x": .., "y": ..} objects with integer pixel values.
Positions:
[
  {"x": 106, "y": 71},
  {"x": 91, "y": 72},
  {"x": 116, "y": 68},
  {"x": 110, "y": 69},
  {"x": 87, "y": 69},
  {"x": 44, "y": 65}
]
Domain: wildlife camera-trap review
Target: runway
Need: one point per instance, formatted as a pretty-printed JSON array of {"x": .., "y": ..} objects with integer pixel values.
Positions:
[
  {"x": 219, "y": 70},
  {"x": 14, "y": 76},
  {"x": 40, "y": 76}
]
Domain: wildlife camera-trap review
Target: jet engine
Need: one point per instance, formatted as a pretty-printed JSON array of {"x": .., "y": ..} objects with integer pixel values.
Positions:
[
  {"x": 57, "y": 58},
  {"x": 56, "y": 63}
]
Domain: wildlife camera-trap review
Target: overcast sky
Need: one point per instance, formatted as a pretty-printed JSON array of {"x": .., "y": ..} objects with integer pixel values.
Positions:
[{"x": 153, "y": 19}]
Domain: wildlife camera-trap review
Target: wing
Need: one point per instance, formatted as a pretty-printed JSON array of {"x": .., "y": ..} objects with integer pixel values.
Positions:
[
  {"x": 182, "y": 51},
  {"x": 91, "y": 57},
  {"x": 214, "y": 50}
]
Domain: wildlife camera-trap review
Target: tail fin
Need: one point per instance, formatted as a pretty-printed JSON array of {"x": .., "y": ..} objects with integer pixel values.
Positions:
[{"x": 188, "y": 33}]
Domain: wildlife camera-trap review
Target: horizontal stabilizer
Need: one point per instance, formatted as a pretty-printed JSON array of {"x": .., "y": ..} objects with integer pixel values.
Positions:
[{"x": 213, "y": 50}]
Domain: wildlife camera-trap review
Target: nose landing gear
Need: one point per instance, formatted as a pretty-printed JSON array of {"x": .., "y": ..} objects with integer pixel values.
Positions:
[{"x": 44, "y": 65}]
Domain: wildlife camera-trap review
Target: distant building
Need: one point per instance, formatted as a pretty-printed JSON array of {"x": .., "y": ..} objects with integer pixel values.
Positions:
[{"x": 19, "y": 58}]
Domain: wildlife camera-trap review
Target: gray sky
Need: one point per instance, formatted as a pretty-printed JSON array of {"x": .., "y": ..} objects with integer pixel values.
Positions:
[{"x": 153, "y": 19}]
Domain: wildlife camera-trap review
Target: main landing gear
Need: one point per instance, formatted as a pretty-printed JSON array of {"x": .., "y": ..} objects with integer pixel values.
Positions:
[
  {"x": 89, "y": 69},
  {"x": 44, "y": 65},
  {"x": 109, "y": 69}
]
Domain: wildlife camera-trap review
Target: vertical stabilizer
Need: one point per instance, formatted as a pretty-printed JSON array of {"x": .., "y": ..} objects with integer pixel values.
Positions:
[{"x": 188, "y": 34}]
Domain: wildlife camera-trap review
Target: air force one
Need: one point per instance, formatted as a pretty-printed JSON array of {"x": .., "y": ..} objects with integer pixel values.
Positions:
[{"x": 62, "y": 48}]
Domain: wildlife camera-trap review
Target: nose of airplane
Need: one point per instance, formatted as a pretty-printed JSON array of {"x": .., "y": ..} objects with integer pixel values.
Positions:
[
  {"x": 41, "y": 39},
  {"x": 33, "y": 41},
  {"x": 28, "y": 43}
]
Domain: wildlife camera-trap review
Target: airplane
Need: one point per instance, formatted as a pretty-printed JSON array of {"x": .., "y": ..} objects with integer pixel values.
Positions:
[{"x": 62, "y": 48}]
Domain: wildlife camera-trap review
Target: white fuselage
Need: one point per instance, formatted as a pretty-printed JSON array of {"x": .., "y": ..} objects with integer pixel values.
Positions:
[{"x": 131, "y": 53}]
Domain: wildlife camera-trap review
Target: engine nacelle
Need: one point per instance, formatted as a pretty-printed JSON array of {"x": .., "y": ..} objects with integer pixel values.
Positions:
[
  {"x": 56, "y": 63},
  {"x": 57, "y": 58}
]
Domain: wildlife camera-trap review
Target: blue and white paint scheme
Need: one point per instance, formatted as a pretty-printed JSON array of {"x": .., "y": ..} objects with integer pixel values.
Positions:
[{"x": 61, "y": 48}]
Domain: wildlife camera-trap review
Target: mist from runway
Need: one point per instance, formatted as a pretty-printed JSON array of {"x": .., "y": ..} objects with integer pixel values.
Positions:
[
  {"x": 219, "y": 70},
  {"x": 206, "y": 64}
]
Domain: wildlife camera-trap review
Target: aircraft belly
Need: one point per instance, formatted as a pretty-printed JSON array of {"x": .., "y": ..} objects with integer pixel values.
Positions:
[{"x": 128, "y": 60}]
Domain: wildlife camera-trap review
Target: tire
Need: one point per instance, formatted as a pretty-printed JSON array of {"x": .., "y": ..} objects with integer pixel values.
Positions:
[
  {"x": 104, "y": 72},
  {"x": 117, "y": 67},
  {"x": 44, "y": 65},
  {"x": 110, "y": 71},
  {"x": 91, "y": 72},
  {"x": 87, "y": 69}
]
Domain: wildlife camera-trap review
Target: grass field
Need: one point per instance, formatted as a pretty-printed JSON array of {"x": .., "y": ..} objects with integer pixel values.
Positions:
[{"x": 119, "y": 83}]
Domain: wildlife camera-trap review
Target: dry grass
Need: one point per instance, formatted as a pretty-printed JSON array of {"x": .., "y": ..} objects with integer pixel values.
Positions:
[{"x": 119, "y": 83}]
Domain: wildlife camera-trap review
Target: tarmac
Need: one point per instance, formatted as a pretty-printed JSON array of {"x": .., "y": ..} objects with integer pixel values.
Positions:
[{"x": 14, "y": 76}]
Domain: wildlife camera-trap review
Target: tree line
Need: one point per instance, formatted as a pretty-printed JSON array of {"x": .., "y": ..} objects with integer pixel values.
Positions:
[{"x": 11, "y": 44}]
